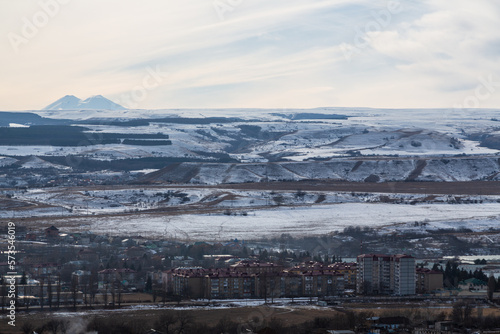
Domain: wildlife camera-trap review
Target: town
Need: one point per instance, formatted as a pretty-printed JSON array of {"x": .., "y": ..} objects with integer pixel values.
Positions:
[{"x": 84, "y": 271}]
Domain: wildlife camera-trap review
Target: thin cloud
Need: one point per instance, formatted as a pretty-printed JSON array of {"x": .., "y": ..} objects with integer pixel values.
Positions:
[{"x": 282, "y": 53}]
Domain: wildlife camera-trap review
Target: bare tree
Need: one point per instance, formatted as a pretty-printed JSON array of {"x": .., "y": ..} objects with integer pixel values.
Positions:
[
  {"x": 185, "y": 319},
  {"x": 461, "y": 313},
  {"x": 93, "y": 281},
  {"x": 28, "y": 327},
  {"x": 74, "y": 290},
  {"x": 58, "y": 291},
  {"x": 85, "y": 287},
  {"x": 263, "y": 286},
  {"x": 105, "y": 295},
  {"x": 119, "y": 294},
  {"x": 49, "y": 292},
  {"x": 26, "y": 299},
  {"x": 54, "y": 326},
  {"x": 113, "y": 293},
  {"x": 166, "y": 322},
  {"x": 491, "y": 287},
  {"x": 41, "y": 293}
]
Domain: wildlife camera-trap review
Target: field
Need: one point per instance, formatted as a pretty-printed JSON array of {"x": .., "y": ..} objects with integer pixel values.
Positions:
[
  {"x": 225, "y": 212},
  {"x": 244, "y": 315}
]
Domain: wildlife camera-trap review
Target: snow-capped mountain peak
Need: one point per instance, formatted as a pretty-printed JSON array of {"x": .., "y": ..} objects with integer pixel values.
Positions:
[
  {"x": 67, "y": 102},
  {"x": 99, "y": 102},
  {"x": 96, "y": 102}
]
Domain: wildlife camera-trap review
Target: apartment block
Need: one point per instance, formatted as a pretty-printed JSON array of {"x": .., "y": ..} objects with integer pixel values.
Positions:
[
  {"x": 263, "y": 280},
  {"x": 428, "y": 280},
  {"x": 385, "y": 274}
]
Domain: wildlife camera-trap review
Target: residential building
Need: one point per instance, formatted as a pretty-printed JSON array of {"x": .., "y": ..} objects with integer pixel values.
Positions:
[
  {"x": 428, "y": 280},
  {"x": 51, "y": 232},
  {"x": 256, "y": 267},
  {"x": 385, "y": 274},
  {"x": 349, "y": 270},
  {"x": 125, "y": 276},
  {"x": 404, "y": 274},
  {"x": 262, "y": 281},
  {"x": 374, "y": 274},
  {"x": 88, "y": 255},
  {"x": 473, "y": 284}
]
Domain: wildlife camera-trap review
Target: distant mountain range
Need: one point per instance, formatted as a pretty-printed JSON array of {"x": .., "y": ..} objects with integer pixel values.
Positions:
[{"x": 97, "y": 102}]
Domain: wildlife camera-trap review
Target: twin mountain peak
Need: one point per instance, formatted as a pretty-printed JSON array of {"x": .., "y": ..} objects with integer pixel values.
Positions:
[{"x": 96, "y": 102}]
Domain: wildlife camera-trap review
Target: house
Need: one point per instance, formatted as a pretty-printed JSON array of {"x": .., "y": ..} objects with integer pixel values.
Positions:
[
  {"x": 44, "y": 269},
  {"x": 88, "y": 255},
  {"x": 125, "y": 276},
  {"x": 431, "y": 327},
  {"x": 30, "y": 236},
  {"x": 81, "y": 277},
  {"x": 218, "y": 260},
  {"x": 388, "y": 323},
  {"x": 136, "y": 251},
  {"x": 473, "y": 284},
  {"x": 51, "y": 232},
  {"x": 181, "y": 261}
]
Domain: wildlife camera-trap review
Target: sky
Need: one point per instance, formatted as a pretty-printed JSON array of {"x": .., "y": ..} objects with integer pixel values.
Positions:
[{"x": 160, "y": 54}]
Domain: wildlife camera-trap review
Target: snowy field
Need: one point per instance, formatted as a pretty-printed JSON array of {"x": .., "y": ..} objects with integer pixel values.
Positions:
[
  {"x": 63, "y": 201},
  {"x": 299, "y": 221}
]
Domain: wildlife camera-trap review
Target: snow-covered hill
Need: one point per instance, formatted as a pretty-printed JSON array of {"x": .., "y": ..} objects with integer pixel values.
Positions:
[
  {"x": 37, "y": 163},
  {"x": 358, "y": 170}
]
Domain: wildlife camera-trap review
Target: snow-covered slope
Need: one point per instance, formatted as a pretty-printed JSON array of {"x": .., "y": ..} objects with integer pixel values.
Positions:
[
  {"x": 37, "y": 163},
  {"x": 6, "y": 161},
  {"x": 358, "y": 170}
]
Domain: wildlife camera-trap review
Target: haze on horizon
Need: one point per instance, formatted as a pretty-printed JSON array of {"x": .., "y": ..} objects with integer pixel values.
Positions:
[{"x": 251, "y": 53}]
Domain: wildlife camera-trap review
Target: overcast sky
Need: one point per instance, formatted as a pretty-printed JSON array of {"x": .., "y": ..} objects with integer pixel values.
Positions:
[{"x": 251, "y": 53}]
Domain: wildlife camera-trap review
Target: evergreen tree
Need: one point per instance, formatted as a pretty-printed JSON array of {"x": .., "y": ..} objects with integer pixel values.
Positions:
[
  {"x": 149, "y": 285},
  {"x": 49, "y": 292},
  {"x": 437, "y": 267},
  {"x": 491, "y": 287}
]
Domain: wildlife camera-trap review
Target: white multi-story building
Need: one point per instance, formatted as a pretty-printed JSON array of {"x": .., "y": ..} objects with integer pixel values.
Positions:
[
  {"x": 404, "y": 275},
  {"x": 386, "y": 274}
]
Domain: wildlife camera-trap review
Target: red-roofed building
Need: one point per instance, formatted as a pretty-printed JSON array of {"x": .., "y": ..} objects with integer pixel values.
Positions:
[
  {"x": 52, "y": 232},
  {"x": 349, "y": 270},
  {"x": 256, "y": 267},
  {"x": 428, "y": 280}
]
